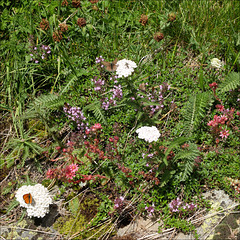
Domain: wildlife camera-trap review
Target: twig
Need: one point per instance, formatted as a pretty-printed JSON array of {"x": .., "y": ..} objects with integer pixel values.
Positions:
[
  {"x": 214, "y": 228},
  {"x": 135, "y": 124},
  {"x": 167, "y": 113},
  {"x": 70, "y": 16},
  {"x": 213, "y": 214},
  {"x": 31, "y": 230}
]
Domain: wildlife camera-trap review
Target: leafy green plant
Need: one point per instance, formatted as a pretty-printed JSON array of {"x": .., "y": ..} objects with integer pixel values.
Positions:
[
  {"x": 195, "y": 110},
  {"x": 231, "y": 82}
]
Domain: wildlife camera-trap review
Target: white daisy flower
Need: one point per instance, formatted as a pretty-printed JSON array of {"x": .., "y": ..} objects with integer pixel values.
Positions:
[
  {"x": 149, "y": 134},
  {"x": 35, "y": 198},
  {"x": 215, "y": 62},
  {"x": 125, "y": 68}
]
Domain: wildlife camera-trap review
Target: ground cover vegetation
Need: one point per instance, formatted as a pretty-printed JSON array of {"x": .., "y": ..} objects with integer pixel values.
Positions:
[{"x": 118, "y": 109}]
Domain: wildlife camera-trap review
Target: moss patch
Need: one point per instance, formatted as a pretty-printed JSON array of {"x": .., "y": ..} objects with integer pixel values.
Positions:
[{"x": 79, "y": 222}]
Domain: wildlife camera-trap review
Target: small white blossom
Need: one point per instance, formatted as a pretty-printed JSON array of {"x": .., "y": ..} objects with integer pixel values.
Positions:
[
  {"x": 215, "y": 62},
  {"x": 149, "y": 134},
  {"x": 41, "y": 200},
  {"x": 125, "y": 68}
]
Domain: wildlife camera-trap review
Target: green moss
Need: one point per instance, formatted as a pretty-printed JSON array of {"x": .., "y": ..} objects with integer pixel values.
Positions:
[
  {"x": 78, "y": 222},
  {"x": 71, "y": 226},
  {"x": 66, "y": 225}
]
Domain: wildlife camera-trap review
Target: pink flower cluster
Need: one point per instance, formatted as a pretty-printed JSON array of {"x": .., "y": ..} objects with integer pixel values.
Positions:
[
  {"x": 156, "y": 97},
  {"x": 66, "y": 173},
  {"x": 99, "y": 83},
  {"x": 218, "y": 121},
  {"x": 216, "y": 126},
  {"x": 76, "y": 115},
  {"x": 70, "y": 170},
  {"x": 95, "y": 127},
  {"x": 116, "y": 94},
  {"x": 118, "y": 202},
  {"x": 177, "y": 205},
  {"x": 150, "y": 209}
]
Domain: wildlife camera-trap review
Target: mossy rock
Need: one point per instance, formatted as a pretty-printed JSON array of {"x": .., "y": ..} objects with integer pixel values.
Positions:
[
  {"x": 70, "y": 226},
  {"x": 79, "y": 222},
  {"x": 231, "y": 221},
  {"x": 222, "y": 231}
]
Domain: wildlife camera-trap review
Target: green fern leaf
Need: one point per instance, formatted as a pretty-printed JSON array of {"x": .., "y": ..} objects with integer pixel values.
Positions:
[
  {"x": 175, "y": 143},
  {"x": 231, "y": 82},
  {"x": 69, "y": 84},
  {"x": 95, "y": 107},
  {"x": 195, "y": 110},
  {"x": 187, "y": 157}
]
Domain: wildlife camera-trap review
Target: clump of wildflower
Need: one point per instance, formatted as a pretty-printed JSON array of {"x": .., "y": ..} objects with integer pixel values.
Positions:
[
  {"x": 99, "y": 59},
  {"x": 81, "y": 22},
  {"x": 63, "y": 27},
  {"x": 40, "y": 53},
  {"x": 95, "y": 127},
  {"x": 179, "y": 206},
  {"x": 143, "y": 20},
  {"x": 76, "y": 3},
  {"x": 64, "y": 173},
  {"x": 158, "y": 36},
  {"x": 149, "y": 134},
  {"x": 150, "y": 209},
  {"x": 76, "y": 115},
  {"x": 155, "y": 96},
  {"x": 64, "y": 3},
  {"x": 125, "y": 68},
  {"x": 116, "y": 94},
  {"x": 41, "y": 200},
  {"x": 118, "y": 202},
  {"x": 98, "y": 83},
  {"x": 57, "y": 36},
  {"x": 216, "y": 63},
  {"x": 218, "y": 122},
  {"x": 70, "y": 171},
  {"x": 44, "y": 24}
]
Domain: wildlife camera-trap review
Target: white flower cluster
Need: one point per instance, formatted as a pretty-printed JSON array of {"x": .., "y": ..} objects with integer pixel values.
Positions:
[
  {"x": 41, "y": 200},
  {"x": 149, "y": 134},
  {"x": 125, "y": 67},
  {"x": 215, "y": 62}
]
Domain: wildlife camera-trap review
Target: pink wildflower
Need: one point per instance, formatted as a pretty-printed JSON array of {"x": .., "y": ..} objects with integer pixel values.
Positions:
[
  {"x": 224, "y": 133},
  {"x": 96, "y": 126},
  {"x": 74, "y": 167},
  {"x": 50, "y": 173},
  {"x": 150, "y": 209},
  {"x": 70, "y": 171},
  {"x": 220, "y": 107}
]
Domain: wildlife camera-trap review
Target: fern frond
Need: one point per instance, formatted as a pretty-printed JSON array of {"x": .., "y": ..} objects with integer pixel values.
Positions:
[
  {"x": 231, "y": 82},
  {"x": 95, "y": 107},
  {"x": 195, "y": 110},
  {"x": 43, "y": 104},
  {"x": 187, "y": 157},
  {"x": 69, "y": 84},
  {"x": 175, "y": 143},
  {"x": 49, "y": 101}
]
